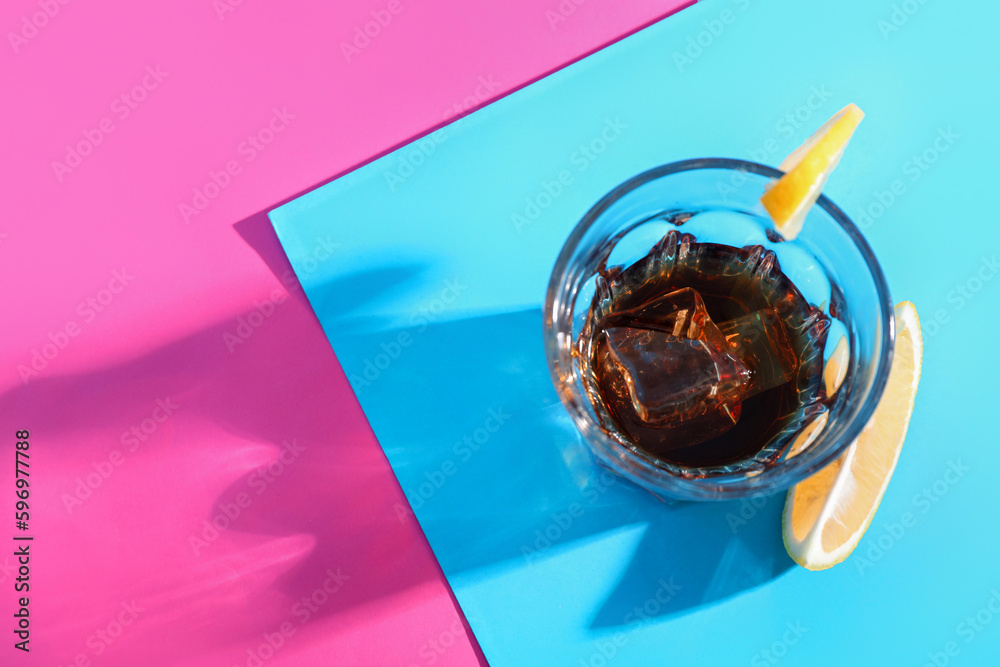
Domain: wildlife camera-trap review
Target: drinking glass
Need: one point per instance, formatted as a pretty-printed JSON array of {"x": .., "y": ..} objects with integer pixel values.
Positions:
[{"x": 619, "y": 229}]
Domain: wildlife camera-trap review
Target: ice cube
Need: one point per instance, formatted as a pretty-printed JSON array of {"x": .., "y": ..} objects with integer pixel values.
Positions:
[
  {"x": 673, "y": 371},
  {"x": 680, "y": 313},
  {"x": 671, "y": 377},
  {"x": 761, "y": 342}
]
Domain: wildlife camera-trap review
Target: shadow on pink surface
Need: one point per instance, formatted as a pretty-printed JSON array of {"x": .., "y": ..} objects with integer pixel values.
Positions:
[
  {"x": 155, "y": 422},
  {"x": 257, "y": 502}
]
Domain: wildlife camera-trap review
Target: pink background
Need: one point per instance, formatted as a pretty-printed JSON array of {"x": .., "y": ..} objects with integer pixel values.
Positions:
[{"x": 206, "y": 319}]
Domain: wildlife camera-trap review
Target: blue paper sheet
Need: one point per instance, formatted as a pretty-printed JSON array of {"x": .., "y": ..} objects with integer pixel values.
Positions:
[{"x": 433, "y": 307}]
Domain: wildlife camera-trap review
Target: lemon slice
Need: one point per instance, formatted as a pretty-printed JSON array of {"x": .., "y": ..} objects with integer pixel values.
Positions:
[
  {"x": 836, "y": 367},
  {"x": 806, "y": 171},
  {"x": 826, "y": 514}
]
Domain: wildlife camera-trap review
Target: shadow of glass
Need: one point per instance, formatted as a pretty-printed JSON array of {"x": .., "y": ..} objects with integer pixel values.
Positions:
[
  {"x": 346, "y": 482},
  {"x": 498, "y": 474},
  {"x": 695, "y": 554}
]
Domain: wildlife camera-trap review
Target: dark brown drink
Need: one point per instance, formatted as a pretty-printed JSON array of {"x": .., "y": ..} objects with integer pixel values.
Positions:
[{"x": 700, "y": 354}]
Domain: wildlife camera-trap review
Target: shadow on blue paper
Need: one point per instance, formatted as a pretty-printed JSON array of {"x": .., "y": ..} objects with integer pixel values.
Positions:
[{"x": 496, "y": 472}]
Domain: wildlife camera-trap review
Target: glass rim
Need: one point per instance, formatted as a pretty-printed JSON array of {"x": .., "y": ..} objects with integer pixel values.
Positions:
[{"x": 788, "y": 472}]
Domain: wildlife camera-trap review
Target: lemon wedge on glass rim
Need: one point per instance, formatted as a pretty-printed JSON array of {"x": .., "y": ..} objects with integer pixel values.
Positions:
[{"x": 806, "y": 170}]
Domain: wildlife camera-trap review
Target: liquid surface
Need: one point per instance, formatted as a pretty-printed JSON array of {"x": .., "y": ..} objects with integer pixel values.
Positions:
[{"x": 701, "y": 354}]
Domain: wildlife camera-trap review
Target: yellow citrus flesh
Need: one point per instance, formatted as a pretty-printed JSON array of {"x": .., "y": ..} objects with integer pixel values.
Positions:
[
  {"x": 806, "y": 170},
  {"x": 826, "y": 514},
  {"x": 808, "y": 435},
  {"x": 836, "y": 367}
]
